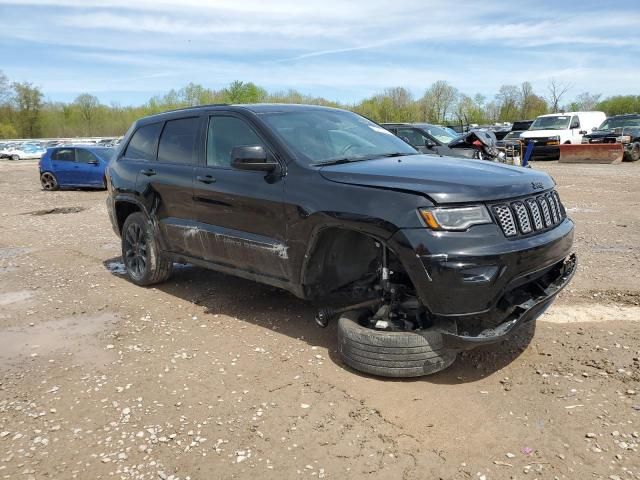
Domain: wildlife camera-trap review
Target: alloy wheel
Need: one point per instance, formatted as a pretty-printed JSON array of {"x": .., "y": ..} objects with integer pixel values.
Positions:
[
  {"x": 48, "y": 181},
  {"x": 135, "y": 251}
]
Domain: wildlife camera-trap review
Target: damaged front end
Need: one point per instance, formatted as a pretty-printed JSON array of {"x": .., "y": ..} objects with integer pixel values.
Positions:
[{"x": 518, "y": 306}]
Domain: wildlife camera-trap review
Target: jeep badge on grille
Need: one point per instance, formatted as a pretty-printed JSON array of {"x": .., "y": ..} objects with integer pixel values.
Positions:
[{"x": 537, "y": 185}]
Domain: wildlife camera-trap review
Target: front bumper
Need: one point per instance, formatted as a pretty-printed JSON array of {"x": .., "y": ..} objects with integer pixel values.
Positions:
[
  {"x": 549, "y": 152},
  {"x": 524, "y": 312}
]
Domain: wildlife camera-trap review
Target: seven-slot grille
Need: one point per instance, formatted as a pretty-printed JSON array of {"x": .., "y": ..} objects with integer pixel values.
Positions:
[{"x": 532, "y": 214}]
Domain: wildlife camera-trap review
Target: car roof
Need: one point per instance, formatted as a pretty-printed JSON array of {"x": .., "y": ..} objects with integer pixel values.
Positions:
[{"x": 257, "y": 108}]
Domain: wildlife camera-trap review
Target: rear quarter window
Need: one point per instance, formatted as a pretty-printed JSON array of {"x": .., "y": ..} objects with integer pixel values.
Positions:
[{"x": 144, "y": 143}]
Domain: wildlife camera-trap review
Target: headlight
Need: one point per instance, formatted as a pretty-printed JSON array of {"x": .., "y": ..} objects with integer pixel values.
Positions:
[
  {"x": 455, "y": 218},
  {"x": 623, "y": 139},
  {"x": 555, "y": 140}
]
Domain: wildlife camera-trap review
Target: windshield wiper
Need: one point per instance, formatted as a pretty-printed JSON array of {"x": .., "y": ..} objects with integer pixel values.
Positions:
[{"x": 339, "y": 161}]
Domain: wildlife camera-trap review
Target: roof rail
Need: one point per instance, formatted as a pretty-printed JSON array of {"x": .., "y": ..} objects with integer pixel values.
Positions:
[{"x": 193, "y": 107}]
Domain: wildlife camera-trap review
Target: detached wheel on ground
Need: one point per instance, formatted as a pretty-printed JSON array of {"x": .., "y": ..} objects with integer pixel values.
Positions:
[
  {"x": 144, "y": 262},
  {"x": 391, "y": 354},
  {"x": 49, "y": 181}
]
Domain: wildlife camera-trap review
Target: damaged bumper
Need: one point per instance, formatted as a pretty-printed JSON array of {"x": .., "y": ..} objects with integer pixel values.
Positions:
[{"x": 524, "y": 312}]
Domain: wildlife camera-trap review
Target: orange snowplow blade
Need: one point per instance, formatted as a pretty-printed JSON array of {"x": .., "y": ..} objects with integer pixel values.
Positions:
[{"x": 589, "y": 153}]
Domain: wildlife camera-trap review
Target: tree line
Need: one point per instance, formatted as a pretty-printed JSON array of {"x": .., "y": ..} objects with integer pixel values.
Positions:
[{"x": 24, "y": 112}]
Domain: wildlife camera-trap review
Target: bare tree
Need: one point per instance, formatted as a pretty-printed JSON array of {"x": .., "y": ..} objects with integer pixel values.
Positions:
[
  {"x": 587, "y": 101},
  {"x": 557, "y": 90},
  {"x": 5, "y": 89},
  {"x": 88, "y": 106},
  {"x": 438, "y": 101}
]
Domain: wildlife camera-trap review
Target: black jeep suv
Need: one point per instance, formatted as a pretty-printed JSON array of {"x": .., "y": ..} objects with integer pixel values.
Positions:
[{"x": 418, "y": 256}]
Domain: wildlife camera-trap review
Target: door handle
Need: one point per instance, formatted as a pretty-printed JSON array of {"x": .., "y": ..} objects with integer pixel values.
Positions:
[
  {"x": 149, "y": 172},
  {"x": 206, "y": 179}
]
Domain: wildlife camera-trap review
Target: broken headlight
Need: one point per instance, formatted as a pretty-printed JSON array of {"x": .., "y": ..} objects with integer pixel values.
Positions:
[{"x": 455, "y": 218}]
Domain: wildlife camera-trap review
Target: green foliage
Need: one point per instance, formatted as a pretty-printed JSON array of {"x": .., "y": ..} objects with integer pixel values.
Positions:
[
  {"x": 24, "y": 114},
  {"x": 28, "y": 101}
]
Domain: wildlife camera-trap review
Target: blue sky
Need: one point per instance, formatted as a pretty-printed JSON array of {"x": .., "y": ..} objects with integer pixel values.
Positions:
[{"x": 126, "y": 51}]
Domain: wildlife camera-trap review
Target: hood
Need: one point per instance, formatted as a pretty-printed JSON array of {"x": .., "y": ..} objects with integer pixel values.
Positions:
[
  {"x": 443, "y": 179},
  {"x": 541, "y": 133}
]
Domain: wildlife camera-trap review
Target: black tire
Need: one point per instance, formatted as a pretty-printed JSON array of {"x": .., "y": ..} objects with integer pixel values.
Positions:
[
  {"x": 49, "y": 181},
  {"x": 15, "y": 157},
  {"x": 391, "y": 354},
  {"x": 634, "y": 156},
  {"x": 144, "y": 262}
]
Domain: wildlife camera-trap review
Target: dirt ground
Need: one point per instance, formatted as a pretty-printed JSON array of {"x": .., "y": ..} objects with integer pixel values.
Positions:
[{"x": 213, "y": 377}]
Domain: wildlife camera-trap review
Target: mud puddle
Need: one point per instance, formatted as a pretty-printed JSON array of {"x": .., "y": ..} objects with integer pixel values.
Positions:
[
  {"x": 13, "y": 252},
  {"x": 57, "y": 210},
  {"x": 75, "y": 336}
]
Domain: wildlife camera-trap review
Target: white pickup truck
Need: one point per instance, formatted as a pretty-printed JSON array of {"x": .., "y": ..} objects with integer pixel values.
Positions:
[{"x": 547, "y": 132}]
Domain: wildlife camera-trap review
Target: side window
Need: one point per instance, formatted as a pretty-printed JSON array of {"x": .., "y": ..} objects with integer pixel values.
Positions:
[
  {"x": 85, "y": 156},
  {"x": 415, "y": 138},
  {"x": 178, "y": 141},
  {"x": 144, "y": 143},
  {"x": 575, "y": 122},
  {"x": 64, "y": 154},
  {"x": 223, "y": 134}
]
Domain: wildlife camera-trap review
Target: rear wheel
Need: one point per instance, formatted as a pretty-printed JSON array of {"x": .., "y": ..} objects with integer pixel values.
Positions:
[
  {"x": 15, "y": 157},
  {"x": 144, "y": 262},
  {"x": 49, "y": 181},
  {"x": 392, "y": 353}
]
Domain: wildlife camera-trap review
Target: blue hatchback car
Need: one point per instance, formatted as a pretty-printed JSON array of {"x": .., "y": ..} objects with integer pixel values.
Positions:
[{"x": 74, "y": 167}]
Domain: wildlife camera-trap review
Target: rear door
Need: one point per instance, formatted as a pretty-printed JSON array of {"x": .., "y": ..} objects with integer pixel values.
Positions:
[
  {"x": 240, "y": 211},
  {"x": 63, "y": 165},
  {"x": 167, "y": 183}
]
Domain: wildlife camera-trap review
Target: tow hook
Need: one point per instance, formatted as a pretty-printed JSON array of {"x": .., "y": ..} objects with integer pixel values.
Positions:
[{"x": 326, "y": 314}]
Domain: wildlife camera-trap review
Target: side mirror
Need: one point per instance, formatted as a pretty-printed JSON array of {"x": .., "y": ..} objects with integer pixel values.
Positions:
[
  {"x": 582, "y": 132},
  {"x": 429, "y": 143},
  {"x": 593, "y": 129},
  {"x": 253, "y": 157}
]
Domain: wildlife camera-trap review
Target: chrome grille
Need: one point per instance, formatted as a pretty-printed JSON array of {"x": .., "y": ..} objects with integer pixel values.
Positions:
[
  {"x": 546, "y": 214},
  {"x": 552, "y": 203},
  {"x": 523, "y": 217},
  {"x": 505, "y": 218},
  {"x": 534, "y": 209},
  {"x": 529, "y": 215}
]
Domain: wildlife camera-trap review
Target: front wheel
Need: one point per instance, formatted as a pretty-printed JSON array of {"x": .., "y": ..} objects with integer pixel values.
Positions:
[
  {"x": 390, "y": 353},
  {"x": 634, "y": 156},
  {"x": 143, "y": 260},
  {"x": 49, "y": 181},
  {"x": 15, "y": 157}
]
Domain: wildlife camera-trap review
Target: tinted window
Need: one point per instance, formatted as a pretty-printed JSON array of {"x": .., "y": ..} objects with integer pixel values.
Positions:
[
  {"x": 575, "y": 122},
  {"x": 414, "y": 137},
  {"x": 65, "y": 154},
  {"x": 224, "y": 134},
  {"x": 178, "y": 141},
  {"x": 84, "y": 156},
  {"x": 144, "y": 142}
]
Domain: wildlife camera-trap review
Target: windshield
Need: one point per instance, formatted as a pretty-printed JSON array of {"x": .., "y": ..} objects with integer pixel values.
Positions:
[
  {"x": 439, "y": 133},
  {"x": 512, "y": 135},
  {"x": 556, "y": 122},
  {"x": 619, "y": 122},
  {"x": 318, "y": 136}
]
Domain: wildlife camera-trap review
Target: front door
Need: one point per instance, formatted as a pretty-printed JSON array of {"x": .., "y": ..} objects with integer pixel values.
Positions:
[
  {"x": 240, "y": 211},
  {"x": 89, "y": 171}
]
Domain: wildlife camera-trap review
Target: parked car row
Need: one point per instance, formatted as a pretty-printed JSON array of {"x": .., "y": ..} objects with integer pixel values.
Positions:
[{"x": 21, "y": 151}]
